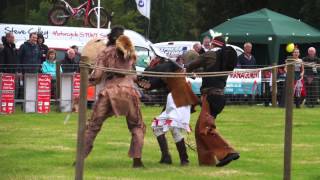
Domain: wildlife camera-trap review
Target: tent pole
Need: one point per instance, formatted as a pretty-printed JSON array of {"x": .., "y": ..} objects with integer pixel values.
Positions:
[{"x": 274, "y": 86}]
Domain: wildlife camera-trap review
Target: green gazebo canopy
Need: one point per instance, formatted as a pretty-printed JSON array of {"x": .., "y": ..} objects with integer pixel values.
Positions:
[{"x": 267, "y": 27}]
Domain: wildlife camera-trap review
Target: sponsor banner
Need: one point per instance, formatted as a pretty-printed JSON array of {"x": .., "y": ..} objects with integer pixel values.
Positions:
[
  {"x": 76, "y": 85},
  {"x": 173, "y": 51},
  {"x": 44, "y": 93},
  {"x": 7, "y": 92},
  {"x": 21, "y": 32},
  {"x": 244, "y": 81},
  {"x": 241, "y": 81},
  {"x": 7, "y": 82},
  {"x": 76, "y": 89}
]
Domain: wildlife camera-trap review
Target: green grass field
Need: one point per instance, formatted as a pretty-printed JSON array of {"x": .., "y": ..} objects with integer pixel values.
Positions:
[{"x": 34, "y": 146}]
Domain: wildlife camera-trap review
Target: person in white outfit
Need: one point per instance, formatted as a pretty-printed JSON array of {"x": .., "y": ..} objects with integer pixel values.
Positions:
[{"x": 176, "y": 116}]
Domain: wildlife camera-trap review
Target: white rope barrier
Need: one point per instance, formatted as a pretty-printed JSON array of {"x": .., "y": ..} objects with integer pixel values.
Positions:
[{"x": 177, "y": 74}]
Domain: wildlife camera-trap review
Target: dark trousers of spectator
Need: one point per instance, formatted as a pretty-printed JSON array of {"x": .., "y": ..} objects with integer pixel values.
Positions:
[
  {"x": 266, "y": 93},
  {"x": 53, "y": 88},
  {"x": 281, "y": 93}
]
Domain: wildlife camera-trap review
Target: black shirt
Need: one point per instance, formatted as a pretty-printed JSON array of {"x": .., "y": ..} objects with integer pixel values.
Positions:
[
  {"x": 245, "y": 62},
  {"x": 210, "y": 62}
]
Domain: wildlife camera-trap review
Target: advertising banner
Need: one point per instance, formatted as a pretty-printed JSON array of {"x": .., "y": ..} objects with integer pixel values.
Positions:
[
  {"x": 244, "y": 81},
  {"x": 7, "y": 92},
  {"x": 44, "y": 93}
]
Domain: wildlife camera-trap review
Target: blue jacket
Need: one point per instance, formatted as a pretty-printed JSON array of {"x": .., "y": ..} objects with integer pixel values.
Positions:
[{"x": 49, "y": 68}]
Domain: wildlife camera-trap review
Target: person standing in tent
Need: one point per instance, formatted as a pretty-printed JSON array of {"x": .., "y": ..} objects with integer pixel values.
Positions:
[
  {"x": 246, "y": 60},
  {"x": 206, "y": 46},
  {"x": 311, "y": 73},
  {"x": 299, "y": 89}
]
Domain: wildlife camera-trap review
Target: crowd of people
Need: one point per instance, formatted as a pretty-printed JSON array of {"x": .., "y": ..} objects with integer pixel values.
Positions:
[
  {"x": 34, "y": 56},
  {"x": 306, "y": 87}
]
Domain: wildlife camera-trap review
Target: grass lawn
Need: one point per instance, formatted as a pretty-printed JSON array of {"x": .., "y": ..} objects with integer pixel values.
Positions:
[{"x": 34, "y": 146}]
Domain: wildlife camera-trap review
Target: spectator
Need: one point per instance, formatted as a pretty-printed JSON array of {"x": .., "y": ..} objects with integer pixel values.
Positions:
[
  {"x": 9, "y": 54},
  {"x": 49, "y": 66},
  {"x": 206, "y": 43},
  {"x": 78, "y": 54},
  {"x": 311, "y": 80},
  {"x": 29, "y": 55},
  {"x": 2, "y": 69},
  {"x": 192, "y": 54},
  {"x": 69, "y": 63},
  {"x": 43, "y": 48},
  {"x": 246, "y": 60},
  {"x": 299, "y": 89},
  {"x": 197, "y": 47}
]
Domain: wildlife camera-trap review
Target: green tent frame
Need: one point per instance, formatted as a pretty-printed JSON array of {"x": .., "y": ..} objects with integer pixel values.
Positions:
[{"x": 267, "y": 27}]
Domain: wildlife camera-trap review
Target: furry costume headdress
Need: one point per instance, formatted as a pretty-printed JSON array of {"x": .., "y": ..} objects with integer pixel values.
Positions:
[{"x": 125, "y": 46}]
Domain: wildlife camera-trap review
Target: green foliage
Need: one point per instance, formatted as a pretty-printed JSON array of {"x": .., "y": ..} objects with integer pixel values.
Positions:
[
  {"x": 39, "y": 16},
  {"x": 311, "y": 12},
  {"x": 170, "y": 20},
  {"x": 13, "y": 14},
  {"x": 173, "y": 20}
]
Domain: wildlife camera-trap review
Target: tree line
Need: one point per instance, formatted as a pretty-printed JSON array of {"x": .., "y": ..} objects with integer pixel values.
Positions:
[{"x": 170, "y": 20}]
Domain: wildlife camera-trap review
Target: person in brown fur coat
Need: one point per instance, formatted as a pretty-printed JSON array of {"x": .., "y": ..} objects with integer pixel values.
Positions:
[{"x": 119, "y": 96}]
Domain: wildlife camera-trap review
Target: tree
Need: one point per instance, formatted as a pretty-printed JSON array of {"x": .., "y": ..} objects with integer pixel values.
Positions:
[
  {"x": 170, "y": 20},
  {"x": 311, "y": 12}
]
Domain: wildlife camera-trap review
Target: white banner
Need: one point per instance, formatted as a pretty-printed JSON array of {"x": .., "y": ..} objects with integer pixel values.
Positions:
[
  {"x": 74, "y": 35},
  {"x": 143, "y": 7}
]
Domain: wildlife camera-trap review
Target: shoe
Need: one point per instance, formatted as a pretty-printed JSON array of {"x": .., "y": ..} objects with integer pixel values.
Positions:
[
  {"x": 165, "y": 159},
  {"x": 137, "y": 163},
  {"x": 230, "y": 157}
]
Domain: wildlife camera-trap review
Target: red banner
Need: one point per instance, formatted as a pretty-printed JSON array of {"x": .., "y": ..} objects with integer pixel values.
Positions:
[
  {"x": 7, "y": 93},
  {"x": 91, "y": 96},
  {"x": 44, "y": 93},
  {"x": 76, "y": 85}
]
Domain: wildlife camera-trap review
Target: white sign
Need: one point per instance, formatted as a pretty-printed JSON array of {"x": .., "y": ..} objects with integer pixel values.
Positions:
[{"x": 21, "y": 33}]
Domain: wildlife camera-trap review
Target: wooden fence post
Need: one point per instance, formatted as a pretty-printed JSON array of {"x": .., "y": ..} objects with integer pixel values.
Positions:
[
  {"x": 84, "y": 70},
  {"x": 288, "y": 119}
]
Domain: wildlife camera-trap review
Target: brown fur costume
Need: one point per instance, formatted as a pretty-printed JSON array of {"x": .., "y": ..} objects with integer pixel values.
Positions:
[{"x": 118, "y": 97}]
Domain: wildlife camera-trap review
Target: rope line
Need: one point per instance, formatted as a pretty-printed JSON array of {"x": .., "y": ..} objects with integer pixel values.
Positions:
[{"x": 184, "y": 74}]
